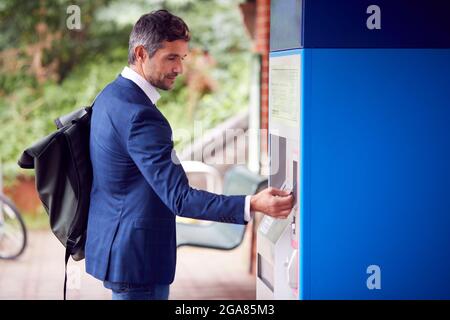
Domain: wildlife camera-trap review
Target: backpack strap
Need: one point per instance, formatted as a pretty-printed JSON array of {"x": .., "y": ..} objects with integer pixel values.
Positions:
[
  {"x": 68, "y": 118},
  {"x": 69, "y": 246}
]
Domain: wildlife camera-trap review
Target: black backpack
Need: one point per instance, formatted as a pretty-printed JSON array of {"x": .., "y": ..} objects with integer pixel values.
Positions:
[{"x": 63, "y": 173}]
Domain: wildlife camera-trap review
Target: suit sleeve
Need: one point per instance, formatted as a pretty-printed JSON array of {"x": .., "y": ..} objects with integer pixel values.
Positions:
[{"x": 151, "y": 148}]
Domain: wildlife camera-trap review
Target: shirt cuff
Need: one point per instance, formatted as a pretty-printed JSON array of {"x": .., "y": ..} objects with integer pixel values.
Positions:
[{"x": 247, "y": 214}]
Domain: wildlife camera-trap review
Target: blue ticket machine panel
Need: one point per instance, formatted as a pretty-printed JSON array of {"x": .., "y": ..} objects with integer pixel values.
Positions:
[{"x": 359, "y": 130}]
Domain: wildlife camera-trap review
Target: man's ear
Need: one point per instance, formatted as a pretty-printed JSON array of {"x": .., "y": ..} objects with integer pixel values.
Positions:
[{"x": 140, "y": 53}]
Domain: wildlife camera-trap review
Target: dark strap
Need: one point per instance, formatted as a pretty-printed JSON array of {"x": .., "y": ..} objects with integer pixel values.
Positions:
[
  {"x": 65, "y": 271},
  {"x": 69, "y": 247},
  {"x": 73, "y": 116}
]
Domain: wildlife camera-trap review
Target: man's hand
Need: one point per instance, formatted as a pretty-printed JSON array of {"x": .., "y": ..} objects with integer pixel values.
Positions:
[{"x": 273, "y": 202}]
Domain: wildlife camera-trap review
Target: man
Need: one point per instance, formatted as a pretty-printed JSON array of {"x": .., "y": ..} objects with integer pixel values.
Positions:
[{"x": 137, "y": 187}]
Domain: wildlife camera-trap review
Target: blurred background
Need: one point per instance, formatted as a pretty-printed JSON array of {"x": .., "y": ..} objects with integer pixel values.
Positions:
[{"x": 48, "y": 69}]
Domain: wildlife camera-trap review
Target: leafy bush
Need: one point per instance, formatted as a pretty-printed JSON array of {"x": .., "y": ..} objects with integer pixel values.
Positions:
[{"x": 90, "y": 60}]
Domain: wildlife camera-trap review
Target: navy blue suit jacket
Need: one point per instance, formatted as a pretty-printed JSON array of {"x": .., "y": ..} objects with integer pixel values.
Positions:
[{"x": 137, "y": 191}]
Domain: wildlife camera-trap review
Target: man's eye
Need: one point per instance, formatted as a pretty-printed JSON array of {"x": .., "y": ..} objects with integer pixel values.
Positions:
[{"x": 172, "y": 58}]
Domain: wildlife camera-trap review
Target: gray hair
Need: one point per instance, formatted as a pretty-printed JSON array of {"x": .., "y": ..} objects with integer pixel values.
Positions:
[{"x": 152, "y": 29}]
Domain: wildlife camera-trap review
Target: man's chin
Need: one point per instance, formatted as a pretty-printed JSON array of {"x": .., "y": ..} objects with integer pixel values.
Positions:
[
  {"x": 170, "y": 84},
  {"x": 162, "y": 85},
  {"x": 165, "y": 86}
]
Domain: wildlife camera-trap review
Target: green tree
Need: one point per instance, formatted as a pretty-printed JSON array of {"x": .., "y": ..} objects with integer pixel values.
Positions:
[{"x": 47, "y": 70}]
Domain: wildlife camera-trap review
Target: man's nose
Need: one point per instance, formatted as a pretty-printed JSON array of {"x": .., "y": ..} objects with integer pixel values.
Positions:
[{"x": 178, "y": 68}]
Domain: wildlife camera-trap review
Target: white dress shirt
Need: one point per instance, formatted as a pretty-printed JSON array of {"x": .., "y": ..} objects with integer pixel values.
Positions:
[{"x": 154, "y": 96}]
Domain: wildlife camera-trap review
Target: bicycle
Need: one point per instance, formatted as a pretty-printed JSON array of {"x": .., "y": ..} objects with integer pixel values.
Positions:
[{"x": 13, "y": 233}]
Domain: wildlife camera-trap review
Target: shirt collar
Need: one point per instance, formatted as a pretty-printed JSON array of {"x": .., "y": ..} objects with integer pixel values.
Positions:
[{"x": 148, "y": 89}]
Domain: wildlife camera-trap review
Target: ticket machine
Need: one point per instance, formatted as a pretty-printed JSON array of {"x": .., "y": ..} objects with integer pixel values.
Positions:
[{"x": 359, "y": 131}]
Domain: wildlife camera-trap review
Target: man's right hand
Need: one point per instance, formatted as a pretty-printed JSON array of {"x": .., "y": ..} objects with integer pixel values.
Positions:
[{"x": 273, "y": 202}]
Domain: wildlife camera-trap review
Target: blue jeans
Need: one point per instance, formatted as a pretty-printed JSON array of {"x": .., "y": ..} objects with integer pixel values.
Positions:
[{"x": 127, "y": 291}]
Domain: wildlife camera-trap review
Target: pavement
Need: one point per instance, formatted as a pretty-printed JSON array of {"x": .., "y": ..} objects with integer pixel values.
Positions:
[{"x": 202, "y": 274}]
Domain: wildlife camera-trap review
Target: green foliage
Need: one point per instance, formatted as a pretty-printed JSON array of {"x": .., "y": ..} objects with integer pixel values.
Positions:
[
  {"x": 230, "y": 98},
  {"x": 217, "y": 27},
  {"x": 36, "y": 220},
  {"x": 91, "y": 59}
]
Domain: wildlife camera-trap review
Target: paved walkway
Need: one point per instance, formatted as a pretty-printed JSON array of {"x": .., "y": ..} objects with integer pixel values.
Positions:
[{"x": 202, "y": 274}]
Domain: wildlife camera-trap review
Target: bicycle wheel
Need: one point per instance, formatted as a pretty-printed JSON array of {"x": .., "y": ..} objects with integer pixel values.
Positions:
[{"x": 13, "y": 235}]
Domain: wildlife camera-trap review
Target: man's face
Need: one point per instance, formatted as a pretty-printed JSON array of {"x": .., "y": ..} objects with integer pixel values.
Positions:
[{"x": 166, "y": 64}]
